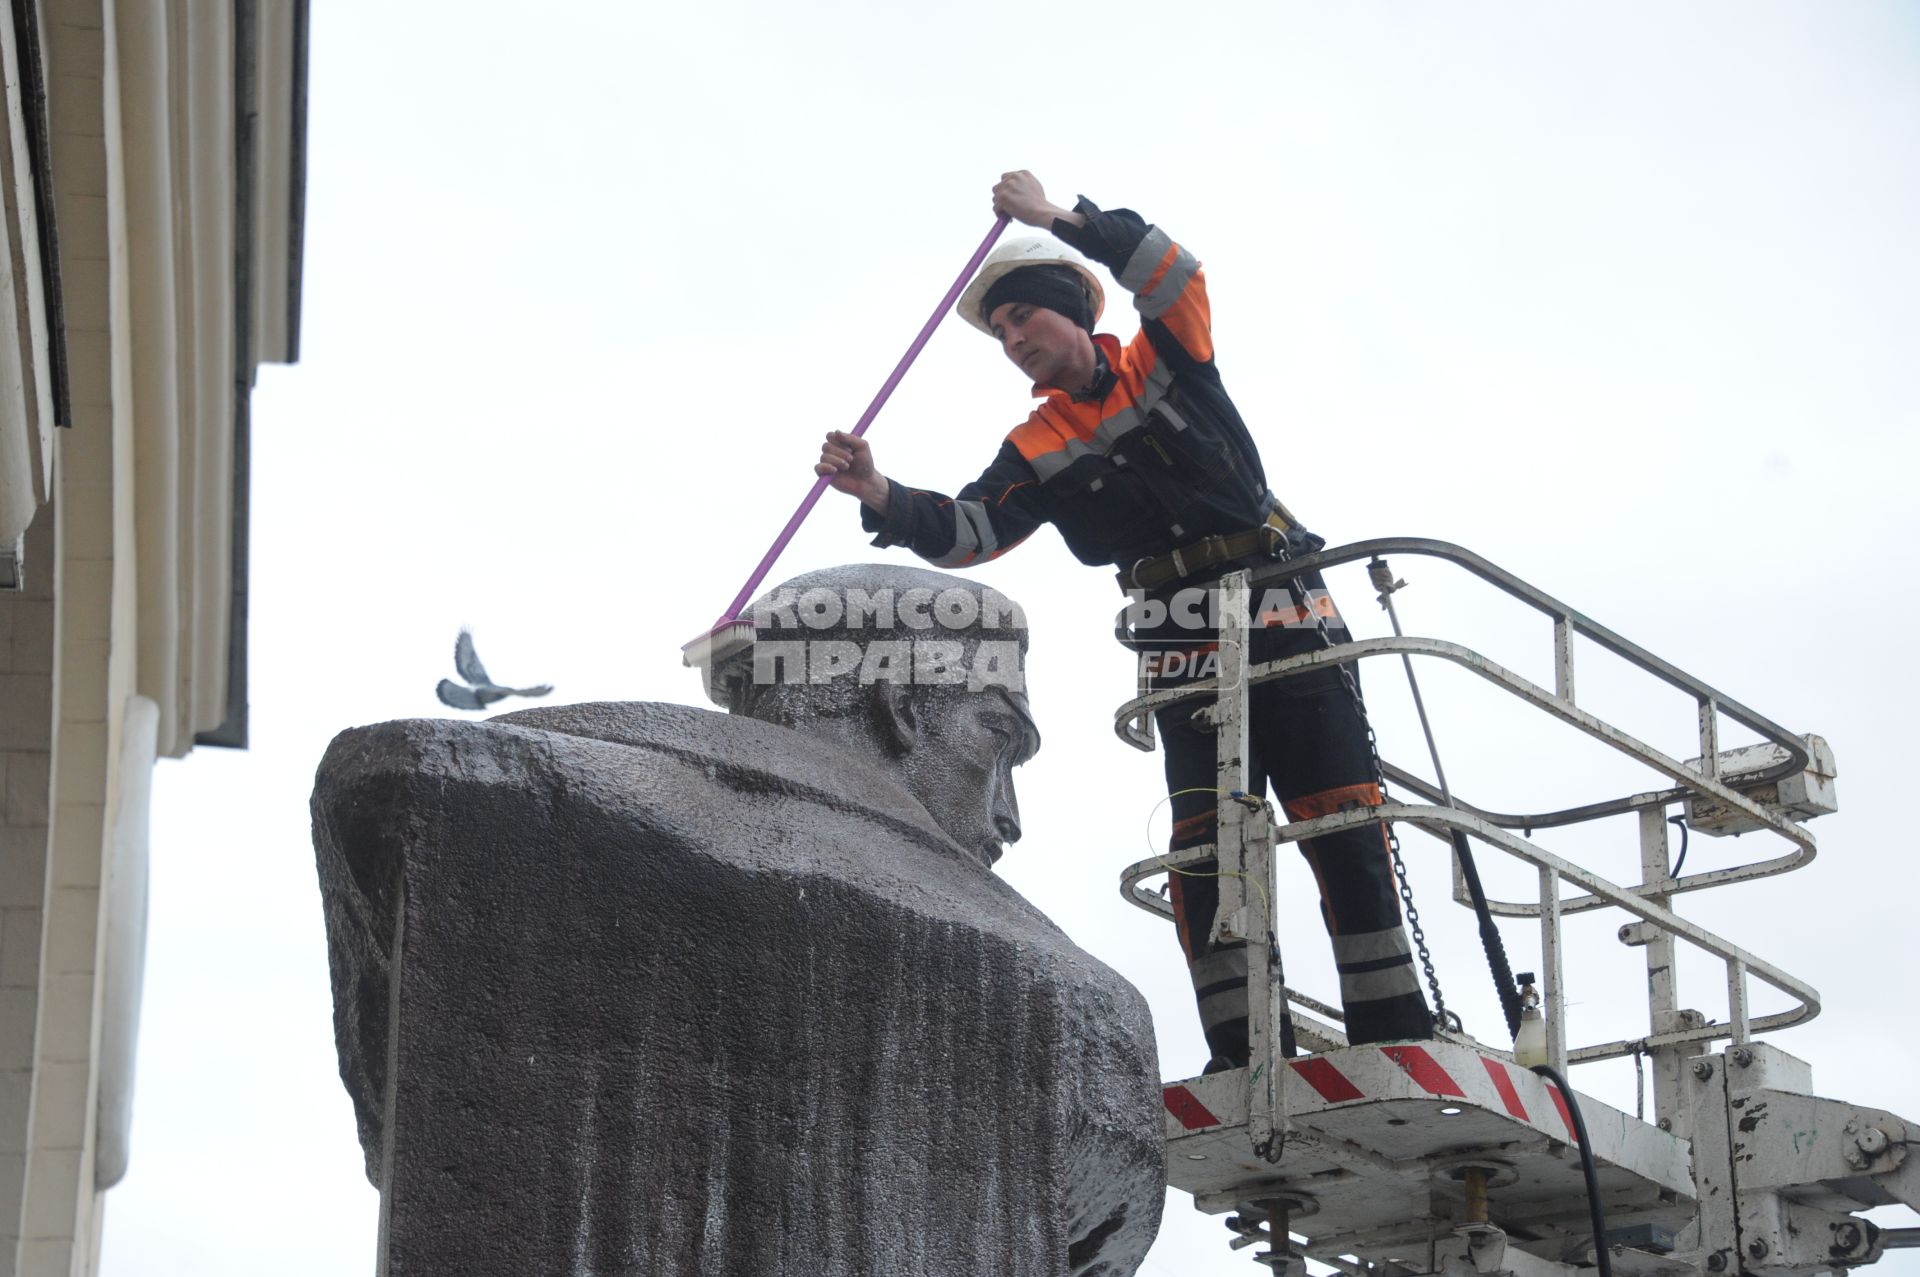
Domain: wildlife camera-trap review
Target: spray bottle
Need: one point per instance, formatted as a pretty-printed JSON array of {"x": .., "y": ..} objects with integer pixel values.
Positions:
[{"x": 1530, "y": 1044}]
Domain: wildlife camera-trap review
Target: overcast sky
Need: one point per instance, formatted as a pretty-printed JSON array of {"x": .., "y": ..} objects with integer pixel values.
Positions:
[{"x": 1622, "y": 296}]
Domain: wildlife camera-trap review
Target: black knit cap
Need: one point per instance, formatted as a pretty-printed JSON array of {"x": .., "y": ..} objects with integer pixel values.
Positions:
[{"x": 1055, "y": 287}]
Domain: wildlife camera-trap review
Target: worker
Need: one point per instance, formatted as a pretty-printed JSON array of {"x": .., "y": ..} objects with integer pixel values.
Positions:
[{"x": 1141, "y": 461}]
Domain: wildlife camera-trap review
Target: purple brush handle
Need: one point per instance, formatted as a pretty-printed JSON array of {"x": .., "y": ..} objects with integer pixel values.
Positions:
[{"x": 866, "y": 419}]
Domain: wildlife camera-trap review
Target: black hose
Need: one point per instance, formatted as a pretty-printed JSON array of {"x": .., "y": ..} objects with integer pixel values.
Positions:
[
  {"x": 1601, "y": 1255},
  {"x": 1682, "y": 822},
  {"x": 1489, "y": 935}
]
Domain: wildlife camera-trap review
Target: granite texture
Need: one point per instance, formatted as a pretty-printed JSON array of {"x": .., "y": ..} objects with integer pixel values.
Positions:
[{"x": 642, "y": 988}]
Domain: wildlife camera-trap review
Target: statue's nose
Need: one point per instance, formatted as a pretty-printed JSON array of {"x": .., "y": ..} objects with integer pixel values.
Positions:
[{"x": 1005, "y": 808}]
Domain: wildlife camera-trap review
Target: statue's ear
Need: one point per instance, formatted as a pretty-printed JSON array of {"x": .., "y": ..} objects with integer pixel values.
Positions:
[{"x": 898, "y": 720}]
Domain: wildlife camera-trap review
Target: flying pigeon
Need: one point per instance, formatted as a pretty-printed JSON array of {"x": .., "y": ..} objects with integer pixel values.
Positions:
[{"x": 484, "y": 691}]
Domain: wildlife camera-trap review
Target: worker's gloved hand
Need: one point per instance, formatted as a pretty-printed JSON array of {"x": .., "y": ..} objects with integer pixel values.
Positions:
[
  {"x": 1020, "y": 196},
  {"x": 848, "y": 460}
]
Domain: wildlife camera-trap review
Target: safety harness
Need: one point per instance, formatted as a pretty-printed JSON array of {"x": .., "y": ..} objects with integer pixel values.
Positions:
[{"x": 1266, "y": 541}]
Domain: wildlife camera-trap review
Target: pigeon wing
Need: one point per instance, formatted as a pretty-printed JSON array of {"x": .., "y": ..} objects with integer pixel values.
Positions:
[
  {"x": 458, "y": 697},
  {"x": 467, "y": 661},
  {"x": 541, "y": 690}
]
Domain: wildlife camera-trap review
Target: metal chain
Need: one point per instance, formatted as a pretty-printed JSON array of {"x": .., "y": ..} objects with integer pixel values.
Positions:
[{"x": 1441, "y": 1015}]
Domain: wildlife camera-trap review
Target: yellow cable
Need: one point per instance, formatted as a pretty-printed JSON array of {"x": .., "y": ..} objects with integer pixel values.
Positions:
[{"x": 1160, "y": 857}]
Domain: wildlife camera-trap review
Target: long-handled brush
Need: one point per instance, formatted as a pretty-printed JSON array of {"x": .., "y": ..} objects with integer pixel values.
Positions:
[{"x": 731, "y": 632}]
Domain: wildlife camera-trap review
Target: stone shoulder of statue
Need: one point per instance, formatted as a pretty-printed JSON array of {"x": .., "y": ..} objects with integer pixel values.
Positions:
[{"x": 653, "y": 970}]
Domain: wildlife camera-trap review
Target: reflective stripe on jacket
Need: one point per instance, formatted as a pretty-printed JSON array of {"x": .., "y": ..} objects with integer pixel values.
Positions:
[{"x": 1154, "y": 457}]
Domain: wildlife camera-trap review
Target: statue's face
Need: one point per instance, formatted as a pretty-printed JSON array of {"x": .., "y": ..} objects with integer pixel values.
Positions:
[{"x": 961, "y": 767}]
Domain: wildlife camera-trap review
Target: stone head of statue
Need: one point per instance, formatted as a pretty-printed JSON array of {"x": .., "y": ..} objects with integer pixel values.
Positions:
[{"x": 916, "y": 671}]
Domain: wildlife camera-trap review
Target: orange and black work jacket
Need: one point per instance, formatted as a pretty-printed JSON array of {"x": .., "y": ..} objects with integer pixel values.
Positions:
[{"x": 1153, "y": 457}]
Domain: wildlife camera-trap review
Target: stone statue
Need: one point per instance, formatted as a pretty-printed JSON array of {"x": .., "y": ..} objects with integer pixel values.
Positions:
[{"x": 641, "y": 988}]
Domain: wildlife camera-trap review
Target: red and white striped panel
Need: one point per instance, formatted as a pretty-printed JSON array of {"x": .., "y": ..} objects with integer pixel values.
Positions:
[{"x": 1361, "y": 1074}]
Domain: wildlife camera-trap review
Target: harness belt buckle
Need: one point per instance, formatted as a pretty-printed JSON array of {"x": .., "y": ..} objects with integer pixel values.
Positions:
[{"x": 1179, "y": 565}]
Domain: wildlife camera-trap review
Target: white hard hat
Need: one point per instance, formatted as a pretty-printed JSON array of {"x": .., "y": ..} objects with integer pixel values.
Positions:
[{"x": 1011, "y": 256}]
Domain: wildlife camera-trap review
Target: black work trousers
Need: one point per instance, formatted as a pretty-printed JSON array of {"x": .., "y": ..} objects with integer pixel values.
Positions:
[{"x": 1307, "y": 737}]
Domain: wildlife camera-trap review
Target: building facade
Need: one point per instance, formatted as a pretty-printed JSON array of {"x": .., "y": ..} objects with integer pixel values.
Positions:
[{"x": 152, "y": 164}]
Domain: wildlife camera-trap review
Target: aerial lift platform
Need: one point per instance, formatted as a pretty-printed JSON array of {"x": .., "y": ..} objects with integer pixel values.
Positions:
[{"x": 1447, "y": 1156}]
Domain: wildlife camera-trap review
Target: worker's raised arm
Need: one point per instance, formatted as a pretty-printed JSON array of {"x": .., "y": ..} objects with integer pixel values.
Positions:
[
  {"x": 1020, "y": 196},
  {"x": 1169, "y": 289}
]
